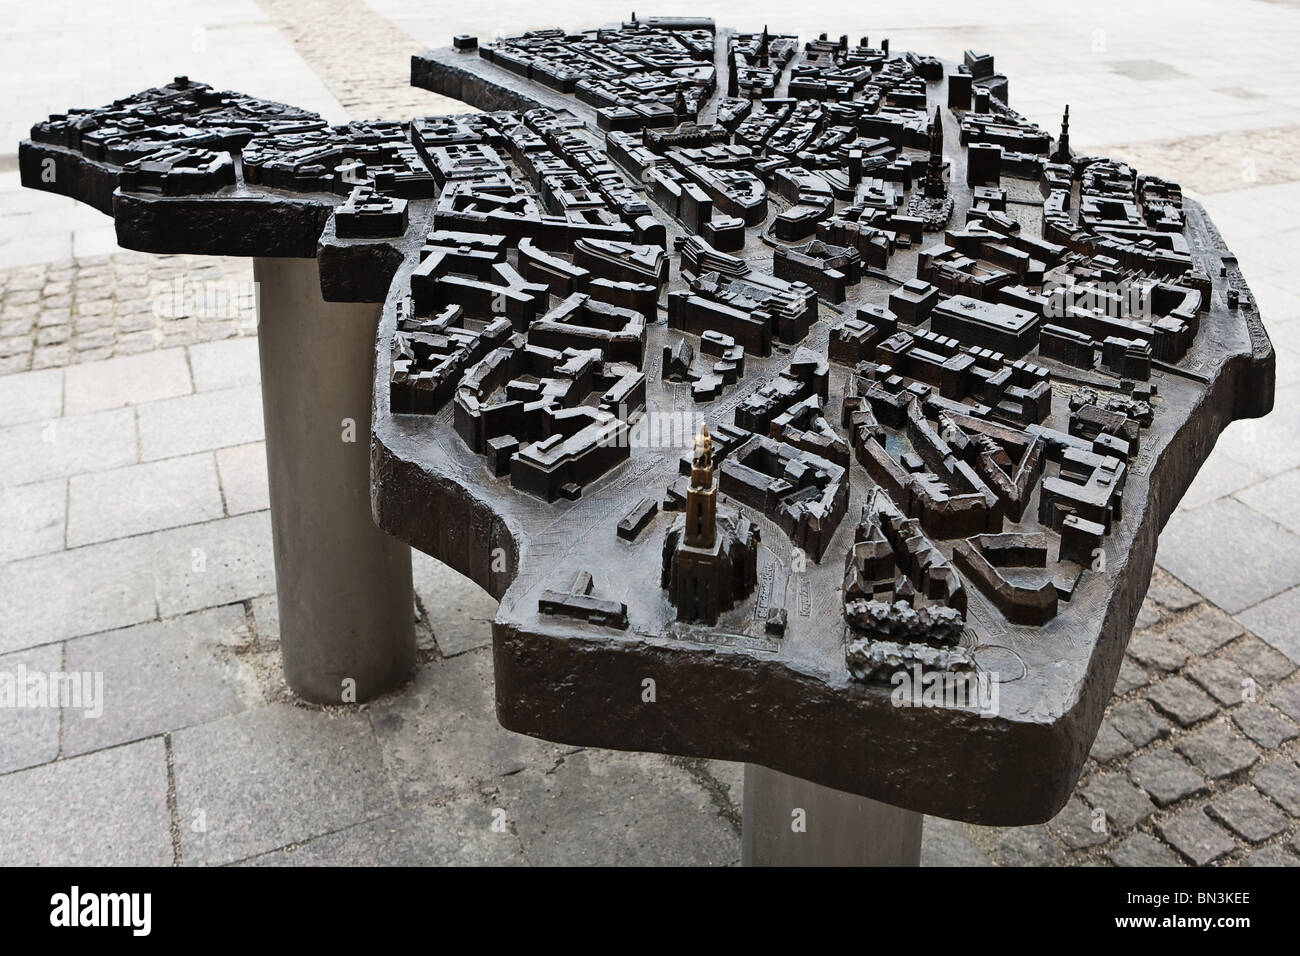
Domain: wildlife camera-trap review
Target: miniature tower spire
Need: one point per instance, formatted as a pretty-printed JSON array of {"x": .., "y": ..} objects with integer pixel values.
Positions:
[
  {"x": 680, "y": 109},
  {"x": 1062, "y": 154},
  {"x": 762, "y": 47},
  {"x": 701, "y": 496},
  {"x": 733, "y": 80},
  {"x": 934, "y": 186}
]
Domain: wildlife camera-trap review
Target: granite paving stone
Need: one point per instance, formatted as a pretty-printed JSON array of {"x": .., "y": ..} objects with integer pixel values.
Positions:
[
  {"x": 1202, "y": 630},
  {"x": 1266, "y": 557},
  {"x": 266, "y": 778},
  {"x": 1138, "y": 721},
  {"x": 1225, "y": 681},
  {"x": 1259, "y": 660},
  {"x": 1277, "y": 621},
  {"x": 1279, "y": 779},
  {"x": 29, "y": 727},
  {"x": 1286, "y": 698},
  {"x": 1264, "y": 725},
  {"x": 243, "y": 478},
  {"x": 1142, "y": 849},
  {"x": 31, "y": 396},
  {"x": 162, "y": 676},
  {"x": 441, "y": 735},
  {"x": 1079, "y": 826},
  {"x": 1196, "y": 836},
  {"x": 1277, "y": 497},
  {"x": 126, "y": 380},
  {"x": 103, "y": 809},
  {"x": 458, "y": 833},
  {"x": 600, "y": 808},
  {"x": 1156, "y": 651},
  {"x": 69, "y": 593},
  {"x": 1166, "y": 776},
  {"x": 266, "y": 619},
  {"x": 225, "y": 363},
  {"x": 1270, "y": 856},
  {"x": 1109, "y": 743},
  {"x": 1131, "y": 676},
  {"x": 1219, "y": 476},
  {"x": 1149, "y": 615},
  {"x": 460, "y": 612},
  {"x": 58, "y": 447},
  {"x": 32, "y": 517},
  {"x": 120, "y": 502},
  {"x": 1027, "y": 846},
  {"x": 206, "y": 565},
  {"x": 1247, "y": 814},
  {"x": 1125, "y": 805},
  {"x": 1182, "y": 700},
  {"x": 945, "y": 843},
  {"x": 202, "y": 422},
  {"x": 1217, "y": 749}
]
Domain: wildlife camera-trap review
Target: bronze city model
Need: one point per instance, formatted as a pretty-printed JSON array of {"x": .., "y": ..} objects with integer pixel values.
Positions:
[{"x": 758, "y": 368}]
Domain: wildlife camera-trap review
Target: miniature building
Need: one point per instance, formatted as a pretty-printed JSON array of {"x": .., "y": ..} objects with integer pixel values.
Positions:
[{"x": 709, "y": 560}]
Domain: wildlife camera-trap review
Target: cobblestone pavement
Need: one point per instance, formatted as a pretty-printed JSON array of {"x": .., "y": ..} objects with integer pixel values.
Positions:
[
  {"x": 136, "y": 540},
  {"x": 82, "y": 310}
]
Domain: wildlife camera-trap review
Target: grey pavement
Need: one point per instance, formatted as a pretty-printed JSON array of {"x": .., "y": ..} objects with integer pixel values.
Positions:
[{"x": 135, "y": 538}]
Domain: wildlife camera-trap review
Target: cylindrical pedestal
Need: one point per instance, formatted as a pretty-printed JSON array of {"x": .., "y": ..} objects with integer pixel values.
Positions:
[
  {"x": 791, "y": 822},
  {"x": 346, "y": 609}
]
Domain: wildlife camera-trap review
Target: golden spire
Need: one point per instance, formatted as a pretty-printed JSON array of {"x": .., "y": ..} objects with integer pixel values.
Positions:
[{"x": 701, "y": 498}]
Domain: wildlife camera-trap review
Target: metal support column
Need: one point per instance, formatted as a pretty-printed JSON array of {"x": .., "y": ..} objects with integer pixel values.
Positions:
[
  {"x": 791, "y": 822},
  {"x": 346, "y": 610}
]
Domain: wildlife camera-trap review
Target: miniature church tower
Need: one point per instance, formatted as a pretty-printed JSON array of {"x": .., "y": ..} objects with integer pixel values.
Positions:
[
  {"x": 1062, "y": 154},
  {"x": 710, "y": 560},
  {"x": 934, "y": 186},
  {"x": 701, "y": 496}
]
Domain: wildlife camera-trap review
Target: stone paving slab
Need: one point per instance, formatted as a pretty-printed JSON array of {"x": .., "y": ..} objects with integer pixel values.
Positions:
[
  {"x": 207, "y": 565},
  {"x": 274, "y": 776},
  {"x": 243, "y": 478},
  {"x": 31, "y": 396},
  {"x": 604, "y": 808},
  {"x": 29, "y": 735},
  {"x": 440, "y": 736},
  {"x": 70, "y": 593},
  {"x": 1265, "y": 556},
  {"x": 459, "y": 612},
  {"x": 1278, "y": 498},
  {"x": 225, "y": 363},
  {"x": 126, "y": 380},
  {"x": 67, "y": 446},
  {"x": 104, "y": 809},
  {"x": 463, "y": 832},
  {"x": 162, "y": 676},
  {"x": 945, "y": 843},
  {"x": 33, "y": 518},
  {"x": 1269, "y": 445},
  {"x": 1277, "y": 620},
  {"x": 104, "y": 505},
  {"x": 208, "y": 420}
]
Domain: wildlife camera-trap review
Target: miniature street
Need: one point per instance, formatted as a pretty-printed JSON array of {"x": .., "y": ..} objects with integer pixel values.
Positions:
[{"x": 136, "y": 536}]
